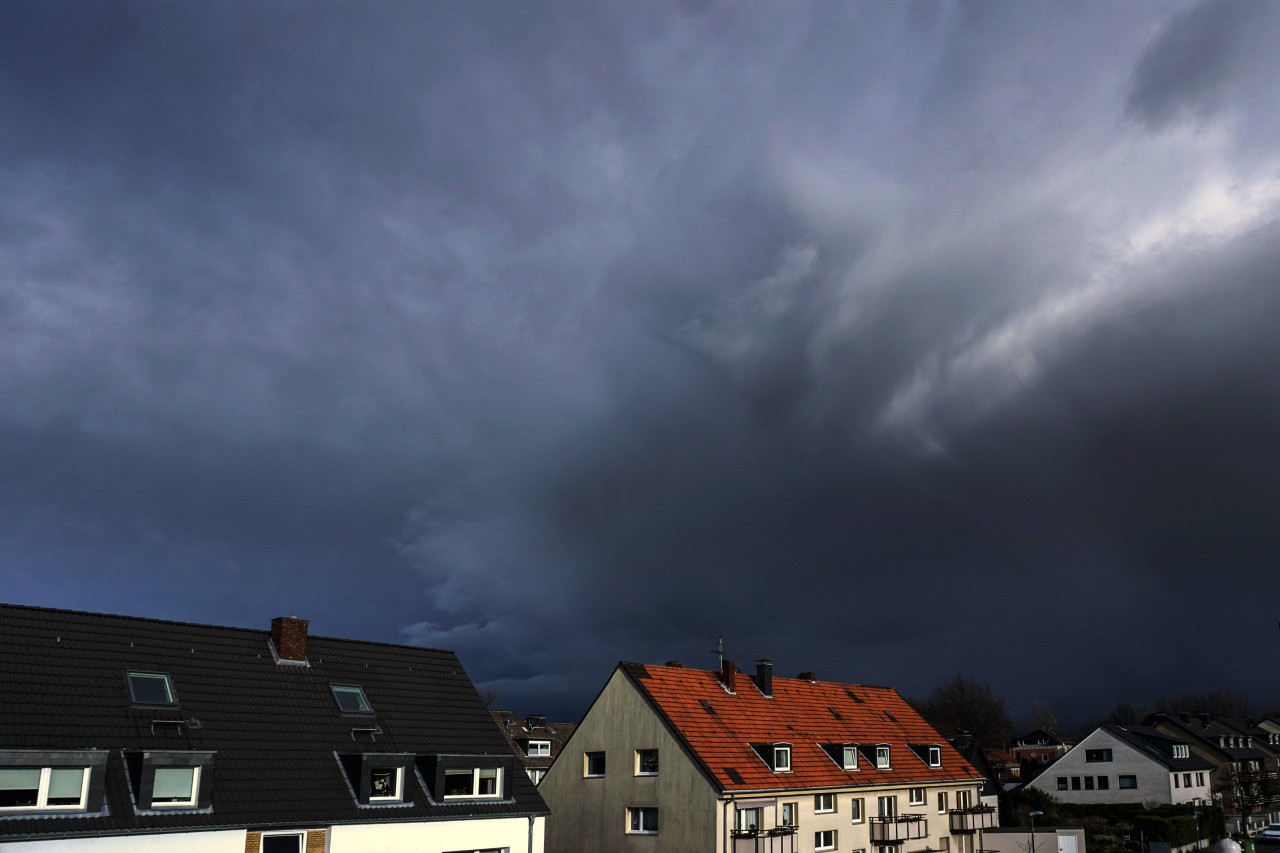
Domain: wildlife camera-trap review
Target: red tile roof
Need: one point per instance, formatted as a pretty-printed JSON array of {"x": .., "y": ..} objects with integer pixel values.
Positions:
[{"x": 804, "y": 714}]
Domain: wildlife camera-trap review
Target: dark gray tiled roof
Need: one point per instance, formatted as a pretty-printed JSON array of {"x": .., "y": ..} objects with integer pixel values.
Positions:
[
  {"x": 275, "y": 728},
  {"x": 1157, "y": 745}
]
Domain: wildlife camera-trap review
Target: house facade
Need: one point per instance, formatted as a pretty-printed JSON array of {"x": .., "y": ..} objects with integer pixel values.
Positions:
[
  {"x": 127, "y": 734},
  {"x": 1133, "y": 764},
  {"x": 670, "y": 758}
]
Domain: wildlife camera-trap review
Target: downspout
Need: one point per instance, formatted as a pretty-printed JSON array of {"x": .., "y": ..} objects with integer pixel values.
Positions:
[
  {"x": 529, "y": 845},
  {"x": 728, "y": 835}
]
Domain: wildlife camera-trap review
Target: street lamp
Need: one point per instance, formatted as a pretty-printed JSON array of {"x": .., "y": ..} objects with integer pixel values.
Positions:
[{"x": 1034, "y": 815}]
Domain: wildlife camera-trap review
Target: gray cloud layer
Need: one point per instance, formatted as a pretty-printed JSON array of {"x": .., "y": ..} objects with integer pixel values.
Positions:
[{"x": 890, "y": 341}]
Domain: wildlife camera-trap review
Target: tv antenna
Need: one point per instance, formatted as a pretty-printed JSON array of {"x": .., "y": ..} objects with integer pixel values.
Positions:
[{"x": 719, "y": 650}]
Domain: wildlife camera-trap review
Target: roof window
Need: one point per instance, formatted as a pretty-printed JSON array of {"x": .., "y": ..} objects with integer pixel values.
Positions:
[
  {"x": 151, "y": 688},
  {"x": 350, "y": 699}
]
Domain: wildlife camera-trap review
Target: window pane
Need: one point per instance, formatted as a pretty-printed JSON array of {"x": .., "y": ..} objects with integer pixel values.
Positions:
[
  {"x": 488, "y": 782},
  {"x": 173, "y": 784},
  {"x": 65, "y": 785},
  {"x": 19, "y": 786},
  {"x": 350, "y": 699},
  {"x": 382, "y": 782},
  {"x": 457, "y": 783},
  {"x": 151, "y": 687},
  {"x": 281, "y": 844}
]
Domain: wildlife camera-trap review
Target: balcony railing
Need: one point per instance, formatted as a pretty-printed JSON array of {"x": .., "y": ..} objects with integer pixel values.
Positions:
[
  {"x": 894, "y": 830},
  {"x": 972, "y": 819},
  {"x": 779, "y": 839}
]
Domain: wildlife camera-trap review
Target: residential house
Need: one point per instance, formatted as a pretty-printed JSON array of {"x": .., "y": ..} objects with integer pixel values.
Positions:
[
  {"x": 1240, "y": 779},
  {"x": 127, "y": 734},
  {"x": 980, "y": 758},
  {"x": 1127, "y": 764},
  {"x": 1037, "y": 748},
  {"x": 534, "y": 742},
  {"x": 676, "y": 759}
]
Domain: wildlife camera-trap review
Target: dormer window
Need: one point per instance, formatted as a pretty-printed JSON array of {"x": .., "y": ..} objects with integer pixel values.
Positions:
[
  {"x": 472, "y": 782},
  {"x": 386, "y": 784},
  {"x": 782, "y": 758},
  {"x": 538, "y": 748},
  {"x": 378, "y": 778},
  {"x": 1181, "y": 750},
  {"x": 175, "y": 787},
  {"x": 850, "y": 756},
  {"x": 882, "y": 756},
  {"x": 151, "y": 688},
  {"x": 935, "y": 756},
  {"x": 170, "y": 779},
  {"x": 350, "y": 699}
]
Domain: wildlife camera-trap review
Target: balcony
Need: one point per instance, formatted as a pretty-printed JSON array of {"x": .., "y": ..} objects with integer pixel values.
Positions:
[
  {"x": 779, "y": 839},
  {"x": 895, "y": 830},
  {"x": 972, "y": 819}
]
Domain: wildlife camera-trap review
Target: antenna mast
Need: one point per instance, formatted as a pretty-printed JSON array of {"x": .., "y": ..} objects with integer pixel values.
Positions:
[{"x": 718, "y": 651}]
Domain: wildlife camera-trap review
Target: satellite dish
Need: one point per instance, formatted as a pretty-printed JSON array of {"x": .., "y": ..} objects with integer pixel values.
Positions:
[{"x": 1226, "y": 845}]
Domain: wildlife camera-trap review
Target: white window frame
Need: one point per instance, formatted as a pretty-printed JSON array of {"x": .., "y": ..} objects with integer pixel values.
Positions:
[
  {"x": 942, "y": 802},
  {"x": 824, "y": 803},
  {"x": 636, "y": 815},
  {"x": 188, "y": 803},
  {"x": 782, "y": 758},
  {"x": 640, "y": 762},
  {"x": 146, "y": 675},
  {"x": 398, "y": 795},
  {"x": 887, "y": 805},
  {"x": 825, "y": 839},
  {"x": 539, "y": 749},
  {"x": 42, "y": 791},
  {"x": 300, "y": 835},
  {"x": 536, "y": 774},
  {"x": 790, "y": 814},
  {"x": 916, "y": 797},
  {"x": 475, "y": 783},
  {"x": 964, "y": 799},
  {"x": 740, "y": 818},
  {"x": 365, "y": 707},
  {"x": 883, "y": 757},
  {"x": 857, "y": 811},
  {"x": 850, "y": 756},
  {"x": 935, "y": 756}
]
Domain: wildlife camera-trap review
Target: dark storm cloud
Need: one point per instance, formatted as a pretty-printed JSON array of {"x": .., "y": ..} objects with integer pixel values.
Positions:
[{"x": 872, "y": 337}]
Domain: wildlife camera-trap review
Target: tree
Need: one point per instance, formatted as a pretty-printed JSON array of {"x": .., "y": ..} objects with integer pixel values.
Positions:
[
  {"x": 965, "y": 704},
  {"x": 1246, "y": 787},
  {"x": 1042, "y": 717}
]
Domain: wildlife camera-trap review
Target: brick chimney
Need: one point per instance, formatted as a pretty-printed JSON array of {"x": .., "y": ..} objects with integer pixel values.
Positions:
[
  {"x": 764, "y": 676},
  {"x": 289, "y": 637},
  {"x": 729, "y": 676}
]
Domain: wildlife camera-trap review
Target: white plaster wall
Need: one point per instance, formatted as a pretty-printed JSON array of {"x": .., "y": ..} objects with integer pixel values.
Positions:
[
  {"x": 228, "y": 841},
  {"x": 435, "y": 836}
]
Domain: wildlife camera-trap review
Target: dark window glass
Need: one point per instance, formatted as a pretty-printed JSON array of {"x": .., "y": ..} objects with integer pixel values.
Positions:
[
  {"x": 350, "y": 699},
  {"x": 153, "y": 688},
  {"x": 281, "y": 844},
  {"x": 1128, "y": 781}
]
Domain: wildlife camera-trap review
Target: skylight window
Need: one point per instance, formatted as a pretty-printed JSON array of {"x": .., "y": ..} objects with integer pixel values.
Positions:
[
  {"x": 151, "y": 688},
  {"x": 350, "y": 699}
]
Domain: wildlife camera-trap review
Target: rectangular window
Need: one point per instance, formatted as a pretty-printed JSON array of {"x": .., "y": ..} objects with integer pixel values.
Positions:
[
  {"x": 593, "y": 764},
  {"x": 855, "y": 809},
  {"x": 963, "y": 799},
  {"x": 1097, "y": 755},
  {"x": 887, "y": 806},
  {"x": 782, "y": 758},
  {"x": 935, "y": 756},
  {"x": 646, "y": 762},
  {"x": 536, "y": 774},
  {"x": 942, "y": 802},
  {"x": 25, "y": 788},
  {"x": 1128, "y": 782},
  {"x": 175, "y": 787},
  {"x": 789, "y": 813},
  {"x": 282, "y": 842},
  {"x": 882, "y": 756},
  {"x": 386, "y": 784},
  {"x": 1062, "y": 783},
  {"x": 539, "y": 748},
  {"x": 151, "y": 688},
  {"x": 850, "y": 757},
  {"x": 748, "y": 819},
  {"x": 472, "y": 782},
  {"x": 1075, "y": 783},
  {"x": 1186, "y": 780},
  {"x": 1104, "y": 783},
  {"x": 1181, "y": 750},
  {"x": 643, "y": 821},
  {"x": 1175, "y": 780},
  {"x": 1088, "y": 783},
  {"x": 915, "y": 796},
  {"x": 824, "y": 803},
  {"x": 824, "y": 840},
  {"x": 944, "y": 844},
  {"x": 350, "y": 699},
  {"x": 1200, "y": 778}
]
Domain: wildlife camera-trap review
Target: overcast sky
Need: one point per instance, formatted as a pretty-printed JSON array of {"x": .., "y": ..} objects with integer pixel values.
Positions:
[{"x": 892, "y": 341}]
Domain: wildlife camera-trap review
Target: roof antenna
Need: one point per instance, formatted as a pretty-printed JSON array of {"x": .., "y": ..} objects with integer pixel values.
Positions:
[{"x": 719, "y": 650}]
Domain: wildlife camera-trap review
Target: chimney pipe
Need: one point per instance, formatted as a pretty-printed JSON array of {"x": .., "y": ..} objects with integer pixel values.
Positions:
[
  {"x": 764, "y": 676},
  {"x": 289, "y": 637},
  {"x": 729, "y": 676}
]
